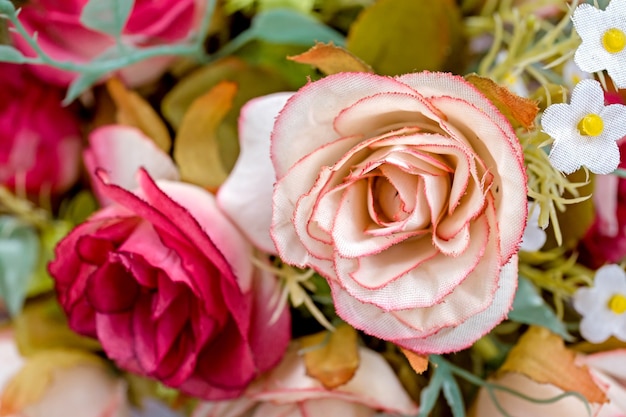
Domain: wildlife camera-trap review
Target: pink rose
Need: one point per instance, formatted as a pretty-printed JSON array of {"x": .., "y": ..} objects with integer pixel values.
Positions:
[
  {"x": 408, "y": 194},
  {"x": 64, "y": 38},
  {"x": 608, "y": 369},
  {"x": 39, "y": 139},
  {"x": 167, "y": 285},
  {"x": 288, "y": 391}
]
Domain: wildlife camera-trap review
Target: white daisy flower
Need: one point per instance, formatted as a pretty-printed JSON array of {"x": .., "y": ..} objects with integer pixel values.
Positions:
[
  {"x": 603, "y": 34},
  {"x": 603, "y": 306},
  {"x": 585, "y": 130},
  {"x": 534, "y": 236},
  {"x": 572, "y": 75}
]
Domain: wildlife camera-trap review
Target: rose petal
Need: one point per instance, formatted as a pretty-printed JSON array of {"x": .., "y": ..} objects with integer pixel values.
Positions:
[
  {"x": 121, "y": 151},
  {"x": 245, "y": 196}
]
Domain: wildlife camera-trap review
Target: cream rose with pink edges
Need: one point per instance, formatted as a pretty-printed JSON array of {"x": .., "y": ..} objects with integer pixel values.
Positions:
[{"x": 409, "y": 195}]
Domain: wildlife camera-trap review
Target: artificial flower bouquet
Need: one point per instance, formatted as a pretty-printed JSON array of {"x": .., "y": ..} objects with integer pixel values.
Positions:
[{"x": 257, "y": 208}]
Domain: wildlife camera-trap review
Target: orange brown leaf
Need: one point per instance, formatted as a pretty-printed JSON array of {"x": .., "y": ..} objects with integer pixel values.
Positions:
[
  {"x": 418, "y": 362},
  {"x": 134, "y": 110},
  {"x": 543, "y": 357},
  {"x": 331, "y": 59},
  {"x": 518, "y": 110},
  {"x": 196, "y": 149},
  {"x": 332, "y": 357}
]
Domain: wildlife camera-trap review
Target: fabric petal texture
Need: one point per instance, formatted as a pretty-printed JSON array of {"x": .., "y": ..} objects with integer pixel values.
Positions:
[
  {"x": 166, "y": 284},
  {"x": 394, "y": 190}
]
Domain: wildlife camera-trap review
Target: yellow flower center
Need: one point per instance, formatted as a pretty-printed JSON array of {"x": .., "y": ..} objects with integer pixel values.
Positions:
[
  {"x": 591, "y": 125},
  {"x": 613, "y": 40},
  {"x": 617, "y": 304}
]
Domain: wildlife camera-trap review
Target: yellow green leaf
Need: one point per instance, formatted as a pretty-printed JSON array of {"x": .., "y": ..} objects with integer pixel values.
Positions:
[
  {"x": 196, "y": 150},
  {"x": 543, "y": 357},
  {"x": 402, "y": 36},
  {"x": 331, "y": 59},
  {"x": 42, "y": 325},
  {"x": 518, "y": 110},
  {"x": 134, "y": 110},
  {"x": 332, "y": 357}
]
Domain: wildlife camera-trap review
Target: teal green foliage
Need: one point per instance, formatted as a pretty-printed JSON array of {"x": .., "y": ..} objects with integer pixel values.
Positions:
[
  {"x": 114, "y": 15},
  {"x": 283, "y": 26},
  {"x": 441, "y": 379},
  {"x": 107, "y": 16},
  {"x": 530, "y": 308},
  {"x": 19, "y": 253}
]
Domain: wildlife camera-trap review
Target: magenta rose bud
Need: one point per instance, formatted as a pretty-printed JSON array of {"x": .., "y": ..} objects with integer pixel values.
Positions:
[
  {"x": 166, "y": 284},
  {"x": 62, "y": 36},
  {"x": 40, "y": 139}
]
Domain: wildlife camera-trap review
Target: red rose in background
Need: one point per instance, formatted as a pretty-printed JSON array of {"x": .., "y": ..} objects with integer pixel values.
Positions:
[
  {"x": 64, "y": 38},
  {"x": 167, "y": 285},
  {"x": 605, "y": 241},
  {"x": 39, "y": 139}
]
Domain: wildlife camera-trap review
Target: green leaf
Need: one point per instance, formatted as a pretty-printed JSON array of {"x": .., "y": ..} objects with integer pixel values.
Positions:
[
  {"x": 108, "y": 16},
  {"x": 82, "y": 83},
  {"x": 452, "y": 393},
  {"x": 430, "y": 394},
  {"x": 19, "y": 252},
  {"x": 401, "y": 36},
  {"x": 10, "y": 54},
  {"x": 7, "y": 7},
  {"x": 530, "y": 308},
  {"x": 283, "y": 26}
]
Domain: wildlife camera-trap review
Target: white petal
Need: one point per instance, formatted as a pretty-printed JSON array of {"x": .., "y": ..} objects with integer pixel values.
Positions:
[
  {"x": 120, "y": 151},
  {"x": 587, "y": 97},
  {"x": 246, "y": 195}
]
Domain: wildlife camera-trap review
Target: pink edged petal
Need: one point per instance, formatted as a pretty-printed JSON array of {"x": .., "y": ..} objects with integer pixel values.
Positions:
[
  {"x": 612, "y": 362},
  {"x": 120, "y": 151},
  {"x": 500, "y": 157},
  {"x": 199, "y": 240},
  {"x": 246, "y": 195},
  {"x": 268, "y": 339},
  {"x": 310, "y": 113},
  {"x": 115, "y": 333},
  {"x": 352, "y": 221},
  {"x": 203, "y": 208},
  {"x": 279, "y": 410},
  {"x": 438, "y": 84},
  {"x": 605, "y": 202},
  {"x": 452, "y": 339},
  {"x": 420, "y": 283},
  {"x": 332, "y": 406},
  {"x": 227, "y": 408},
  {"x": 299, "y": 183},
  {"x": 374, "y": 385},
  {"x": 384, "y": 111}
]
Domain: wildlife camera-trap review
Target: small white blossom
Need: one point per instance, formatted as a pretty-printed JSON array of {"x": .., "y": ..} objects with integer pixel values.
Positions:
[
  {"x": 585, "y": 130},
  {"x": 603, "y": 34},
  {"x": 603, "y": 306},
  {"x": 534, "y": 236},
  {"x": 572, "y": 75}
]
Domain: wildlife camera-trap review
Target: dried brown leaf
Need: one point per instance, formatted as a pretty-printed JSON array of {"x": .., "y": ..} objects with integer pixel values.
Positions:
[
  {"x": 196, "y": 149},
  {"x": 518, "y": 110},
  {"x": 134, "y": 110},
  {"x": 543, "y": 357},
  {"x": 332, "y": 357},
  {"x": 331, "y": 59}
]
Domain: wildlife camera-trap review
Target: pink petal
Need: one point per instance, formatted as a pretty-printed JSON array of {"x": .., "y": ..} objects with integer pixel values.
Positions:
[
  {"x": 311, "y": 112},
  {"x": 120, "y": 151},
  {"x": 246, "y": 195},
  {"x": 493, "y": 139}
]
